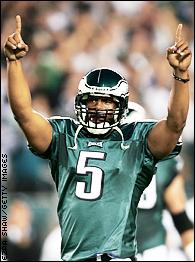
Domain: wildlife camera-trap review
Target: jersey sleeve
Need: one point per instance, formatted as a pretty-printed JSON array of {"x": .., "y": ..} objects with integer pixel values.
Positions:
[
  {"x": 175, "y": 151},
  {"x": 57, "y": 128},
  {"x": 149, "y": 159}
]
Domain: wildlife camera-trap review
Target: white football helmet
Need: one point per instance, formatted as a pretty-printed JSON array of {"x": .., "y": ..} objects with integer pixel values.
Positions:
[
  {"x": 101, "y": 82},
  {"x": 135, "y": 113}
]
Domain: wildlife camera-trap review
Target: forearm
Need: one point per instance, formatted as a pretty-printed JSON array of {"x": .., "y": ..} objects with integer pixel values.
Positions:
[
  {"x": 182, "y": 222},
  {"x": 18, "y": 91},
  {"x": 187, "y": 238},
  {"x": 36, "y": 128},
  {"x": 178, "y": 103}
]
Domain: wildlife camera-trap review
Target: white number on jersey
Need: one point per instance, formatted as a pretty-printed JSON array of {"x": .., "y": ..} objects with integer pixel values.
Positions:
[{"x": 95, "y": 172}]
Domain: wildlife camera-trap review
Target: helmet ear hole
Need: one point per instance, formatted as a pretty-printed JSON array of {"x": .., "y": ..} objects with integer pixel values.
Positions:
[{"x": 84, "y": 99}]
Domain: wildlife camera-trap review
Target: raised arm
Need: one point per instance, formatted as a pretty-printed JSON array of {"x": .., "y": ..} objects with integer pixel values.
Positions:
[
  {"x": 165, "y": 134},
  {"x": 36, "y": 128}
]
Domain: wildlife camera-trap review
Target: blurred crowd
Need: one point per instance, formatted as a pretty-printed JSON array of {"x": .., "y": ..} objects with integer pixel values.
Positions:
[{"x": 67, "y": 39}]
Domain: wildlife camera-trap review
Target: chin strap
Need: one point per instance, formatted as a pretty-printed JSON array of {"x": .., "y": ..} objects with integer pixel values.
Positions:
[
  {"x": 123, "y": 146},
  {"x": 75, "y": 137}
]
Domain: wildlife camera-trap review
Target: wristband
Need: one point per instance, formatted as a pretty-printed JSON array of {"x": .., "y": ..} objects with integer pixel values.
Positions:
[
  {"x": 181, "y": 79},
  {"x": 10, "y": 60}
]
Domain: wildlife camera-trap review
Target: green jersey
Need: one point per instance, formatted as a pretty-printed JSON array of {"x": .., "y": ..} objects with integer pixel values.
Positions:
[
  {"x": 150, "y": 229},
  {"x": 99, "y": 181}
]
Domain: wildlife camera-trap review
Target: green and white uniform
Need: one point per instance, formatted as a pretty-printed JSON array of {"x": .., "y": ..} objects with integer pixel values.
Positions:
[
  {"x": 150, "y": 230},
  {"x": 99, "y": 183}
]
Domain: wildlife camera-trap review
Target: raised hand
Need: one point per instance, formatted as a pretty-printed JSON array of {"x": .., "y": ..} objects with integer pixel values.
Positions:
[
  {"x": 15, "y": 48},
  {"x": 179, "y": 55}
]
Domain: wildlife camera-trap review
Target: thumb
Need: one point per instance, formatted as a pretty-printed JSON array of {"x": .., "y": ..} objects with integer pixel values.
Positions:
[{"x": 172, "y": 49}]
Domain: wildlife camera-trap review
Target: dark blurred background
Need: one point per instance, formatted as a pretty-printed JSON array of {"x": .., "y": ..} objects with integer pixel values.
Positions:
[{"x": 66, "y": 40}]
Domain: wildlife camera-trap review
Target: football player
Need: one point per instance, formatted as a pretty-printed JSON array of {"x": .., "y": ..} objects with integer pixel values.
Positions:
[
  {"x": 99, "y": 166},
  {"x": 165, "y": 191}
]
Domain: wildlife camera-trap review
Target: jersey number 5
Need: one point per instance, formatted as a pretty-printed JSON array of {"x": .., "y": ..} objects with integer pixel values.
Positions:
[{"x": 89, "y": 178}]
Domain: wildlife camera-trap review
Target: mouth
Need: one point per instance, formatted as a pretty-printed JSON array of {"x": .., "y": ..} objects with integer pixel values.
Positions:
[{"x": 100, "y": 116}]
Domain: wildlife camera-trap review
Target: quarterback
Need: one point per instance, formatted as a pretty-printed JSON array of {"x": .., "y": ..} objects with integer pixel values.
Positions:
[{"x": 99, "y": 165}]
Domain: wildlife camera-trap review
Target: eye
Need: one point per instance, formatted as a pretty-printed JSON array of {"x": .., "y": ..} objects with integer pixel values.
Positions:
[
  {"x": 108, "y": 100},
  {"x": 92, "y": 99}
]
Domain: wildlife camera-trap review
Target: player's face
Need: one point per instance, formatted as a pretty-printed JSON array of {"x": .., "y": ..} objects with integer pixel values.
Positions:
[{"x": 100, "y": 109}]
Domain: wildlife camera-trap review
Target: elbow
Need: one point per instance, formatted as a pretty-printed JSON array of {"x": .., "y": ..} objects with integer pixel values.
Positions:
[
  {"x": 18, "y": 117},
  {"x": 22, "y": 115},
  {"x": 176, "y": 126}
]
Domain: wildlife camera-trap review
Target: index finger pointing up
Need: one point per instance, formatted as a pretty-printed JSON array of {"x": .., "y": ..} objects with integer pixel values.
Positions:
[
  {"x": 18, "y": 24},
  {"x": 178, "y": 35}
]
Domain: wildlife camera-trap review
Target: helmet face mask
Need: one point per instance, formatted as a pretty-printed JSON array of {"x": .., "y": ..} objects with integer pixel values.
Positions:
[{"x": 101, "y": 83}]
